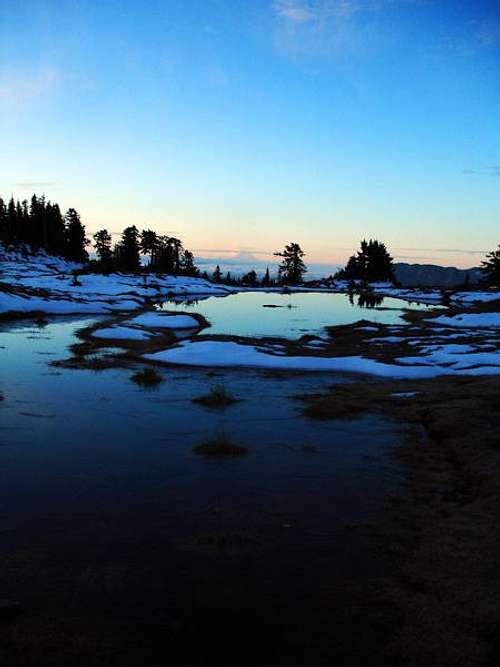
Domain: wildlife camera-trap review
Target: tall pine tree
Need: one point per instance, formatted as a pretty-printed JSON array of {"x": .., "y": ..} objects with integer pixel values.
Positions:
[
  {"x": 292, "y": 268},
  {"x": 75, "y": 237},
  {"x": 128, "y": 249},
  {"x": 102, "y": 245}
]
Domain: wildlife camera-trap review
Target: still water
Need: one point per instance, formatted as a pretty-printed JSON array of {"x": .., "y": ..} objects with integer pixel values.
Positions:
[
  {"x": 110, "y": 520},
  {"x": 289, "y": 315},
  {"x": 80, "y": 439}
]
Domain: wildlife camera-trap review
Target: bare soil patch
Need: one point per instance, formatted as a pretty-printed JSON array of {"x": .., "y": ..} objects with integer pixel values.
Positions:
[{"x": 443, "y": 534}]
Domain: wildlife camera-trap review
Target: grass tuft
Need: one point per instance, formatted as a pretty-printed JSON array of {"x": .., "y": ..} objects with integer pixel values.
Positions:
[
  {"x": 148, "y": 377},
  {"x": 220, "y": 445},
  {"x": 217, "y": 397}
]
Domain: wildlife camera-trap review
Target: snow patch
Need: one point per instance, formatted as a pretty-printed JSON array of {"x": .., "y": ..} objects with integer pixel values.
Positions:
[
  {"x": 469, "y": 320},
  {"x": 122, "y": 333},
  {"x": 165, "y": 321}
]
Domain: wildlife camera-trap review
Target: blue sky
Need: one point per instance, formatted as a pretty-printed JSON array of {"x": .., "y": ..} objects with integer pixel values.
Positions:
[{"x": 240, "y": 126}]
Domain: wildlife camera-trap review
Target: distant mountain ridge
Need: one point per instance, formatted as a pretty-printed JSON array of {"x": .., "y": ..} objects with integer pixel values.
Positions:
[{"x": 432, "y": 275}]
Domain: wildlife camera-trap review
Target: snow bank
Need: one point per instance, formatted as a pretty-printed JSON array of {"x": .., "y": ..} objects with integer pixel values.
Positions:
[
  {"x": 17, "y": 303},
  {"x": 469, "y": 320},
  {"x": 230, "y": 354},
  {"x": 165, "y": 321},
  {"x": 475, "y": 297},
  {"x": 442, "y": 360},
  {"x": 122, "y": 333},
  {"x": 90, "y": 293}
]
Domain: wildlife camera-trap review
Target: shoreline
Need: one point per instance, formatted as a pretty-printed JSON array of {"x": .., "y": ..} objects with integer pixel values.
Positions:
[{"x": 441, "y": 534}]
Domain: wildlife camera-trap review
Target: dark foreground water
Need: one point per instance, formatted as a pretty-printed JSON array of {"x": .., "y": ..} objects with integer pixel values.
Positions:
[{"x": 123, "y": 545}]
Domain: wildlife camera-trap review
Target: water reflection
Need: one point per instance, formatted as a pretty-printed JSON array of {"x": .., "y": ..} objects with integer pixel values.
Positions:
[
  {"x": 81, "y": 442},
  {"x": 366, "y": 299},
  {"x": 107, "y": 512},
  {"x": 288, "y": 315}
]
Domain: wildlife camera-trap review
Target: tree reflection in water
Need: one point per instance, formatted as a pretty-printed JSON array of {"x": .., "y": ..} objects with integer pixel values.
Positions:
[{"x": 366, "y": 299}]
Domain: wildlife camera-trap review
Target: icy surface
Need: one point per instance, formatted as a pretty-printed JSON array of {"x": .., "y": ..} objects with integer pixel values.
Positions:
[
  {"x": 122, "y": 333},
  {"x": 454, "y": 356},
  {"x": 224, "y": 353},
  {"x": 469, "y": 320},
  {"x": 165, "y": 321},
  {"x": 475, "y": 297}
]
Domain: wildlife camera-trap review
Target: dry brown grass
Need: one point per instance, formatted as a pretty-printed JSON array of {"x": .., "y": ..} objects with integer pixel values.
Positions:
[
  {"x": 220, "y": 445},
  {"x": 148, "y": 377},
  {"x": 443, "y": 535},
  {"x": 217, "y": 397}
]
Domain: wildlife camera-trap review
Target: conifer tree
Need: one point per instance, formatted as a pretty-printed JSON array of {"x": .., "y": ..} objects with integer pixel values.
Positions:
[
  {"x": 250, "y": 278},
  {"x": 75, "y": 235},
  {"x": 292, "y": 268},
  {"x": 128, "y": 249},
  {"x": 40, "y": 224},
  {"x": 175, "y": 253},
  {"x": 11, "y": 221},
  {"x": 102, "y": 245},
  {"x": 149, "y": 246},
  {"x": 188, "y": 267},
  {"x": 57, "y": 232},
  {"x": 371, "y": 263},
  {"x": 491, "y": 268},
  {"x": 266, "y": 280},
  {"x": 217, "y": 274},
  {"x": 3, "y": 221}
]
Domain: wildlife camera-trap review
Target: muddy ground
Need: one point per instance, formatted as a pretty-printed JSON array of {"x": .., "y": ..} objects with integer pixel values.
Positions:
[{"x": 442, "y": 536}]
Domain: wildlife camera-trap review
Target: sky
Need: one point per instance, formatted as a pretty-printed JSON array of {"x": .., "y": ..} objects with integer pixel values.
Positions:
[{"x": 241, "y": 125}]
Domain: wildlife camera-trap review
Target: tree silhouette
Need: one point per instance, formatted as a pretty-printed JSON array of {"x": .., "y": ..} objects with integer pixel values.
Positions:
[
  {"x": 249, "y": 278},
  {"x": 40, "y": 225},
  {"x": 3, "y": 221},
  {"x": 102, "y": 245},
  {"x": 127, "y": 251},
  {"x": 217, "y": 274},
  {"x": 149, "y": 246},
  {"x": 371, "y": 263},
  {"x": 75, "y": 234},
  {"x": 266, "y": 280},
  {"x": 491, "y": 268},
  {"x": 188, "y": 267},
  {"x": 292, "y": 268}
]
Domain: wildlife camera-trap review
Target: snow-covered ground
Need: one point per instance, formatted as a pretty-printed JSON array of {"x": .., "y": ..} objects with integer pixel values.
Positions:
[
  {"x": 470, "y": 320},
  {"x": 475, "y": 297},
  {"x": 231, "y": 354},
  {"x": 45, "y": 283},
  {"x": 145, "y": 326},
  {"x": 165, "y": 321},
  {"x": 122, "y": 333}
]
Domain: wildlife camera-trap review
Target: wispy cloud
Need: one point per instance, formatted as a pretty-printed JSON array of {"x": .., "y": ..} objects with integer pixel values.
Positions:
[
  {"x": 488, "y": 33},
  {"x": 241, "y": 254},
  {"x": 294, "y": 11},
  {"x": 297, "y": 11},
  {"x": 33, "y": 185},
  {"x": 325, "y": 27},
  {"x": 18, "y": 88},
  {"x": 492, "y": 170},
  {"x": 454, "y": 251}
]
